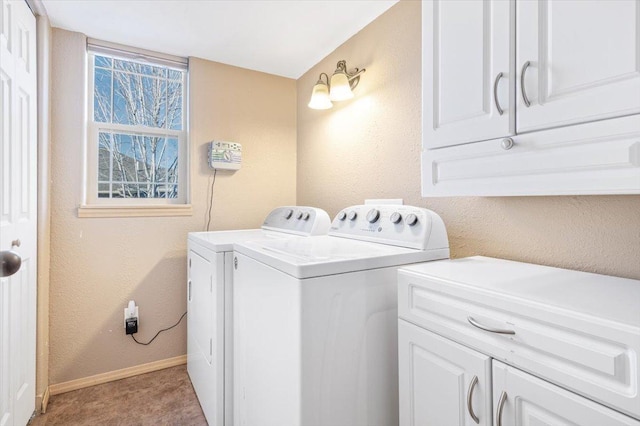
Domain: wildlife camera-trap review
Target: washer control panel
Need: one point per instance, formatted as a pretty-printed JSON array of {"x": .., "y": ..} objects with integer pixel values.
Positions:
[
  {"x": 397, "y": 225},
  {"x": 298, "y": 220}
]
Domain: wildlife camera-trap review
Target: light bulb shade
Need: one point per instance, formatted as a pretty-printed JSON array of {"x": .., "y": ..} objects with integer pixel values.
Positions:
[
  {"x": 340, "y": 87},
  {"x": 320, "y": 97}
]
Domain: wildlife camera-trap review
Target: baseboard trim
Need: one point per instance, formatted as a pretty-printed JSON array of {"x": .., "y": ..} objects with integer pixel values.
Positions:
[
  {"x": 111, "y": 376},
  {"x": 45, "y": 400}
]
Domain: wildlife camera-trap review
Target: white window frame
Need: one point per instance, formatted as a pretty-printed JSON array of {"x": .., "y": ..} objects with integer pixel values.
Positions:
[{"x": 92, "y": 205}]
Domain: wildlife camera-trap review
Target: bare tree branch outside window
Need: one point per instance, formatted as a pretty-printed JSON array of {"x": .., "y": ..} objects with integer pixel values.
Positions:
[{"x": 134, "y": 164}]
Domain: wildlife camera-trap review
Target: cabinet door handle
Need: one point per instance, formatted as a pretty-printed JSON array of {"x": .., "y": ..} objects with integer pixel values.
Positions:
[
  {"x": 495, "y": 93},
  {"x": 472, "y": 387},
  {"x": 189, "y": 291},
  {"x": 501, "y": 401},
  {"x": 522, "y": 89},
  {"x": 491, "y": 329}
]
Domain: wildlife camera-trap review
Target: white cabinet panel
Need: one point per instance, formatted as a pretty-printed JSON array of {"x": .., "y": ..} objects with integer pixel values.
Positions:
[
  {"x": 441, "y": 382},
  {"x": 602, "y": 157},
  {"x": 522, "y": 399},
  {"x": 584, "y": 61},
  {"x": 466, "y": 46}
]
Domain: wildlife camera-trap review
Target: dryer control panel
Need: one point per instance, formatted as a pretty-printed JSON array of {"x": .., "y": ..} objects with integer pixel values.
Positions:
[
  {"x": 299, "y": 220},
  {"x": 398, "y": 225}
]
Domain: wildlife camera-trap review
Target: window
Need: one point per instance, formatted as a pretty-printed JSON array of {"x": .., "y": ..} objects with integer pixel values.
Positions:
[{"x": 137, "y": 130}]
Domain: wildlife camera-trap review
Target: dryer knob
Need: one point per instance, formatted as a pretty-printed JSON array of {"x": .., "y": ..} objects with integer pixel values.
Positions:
[
  {"x": 342, "y": 215},
  {"x": 395, "y": 217},
  {"x": 305, "y": 216},
  {"x": 353, "y": 215},
  {"x": 288, "y": 213},
  {"x": 412, "y": 219},
  {"x": 300, "y": 215},
  {"x": 373, "y": 215}
]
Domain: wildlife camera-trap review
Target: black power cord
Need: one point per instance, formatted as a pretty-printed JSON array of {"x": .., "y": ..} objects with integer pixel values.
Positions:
[
  {"x": 215, "y": 172},
  {"x": 154, "y": 337}
]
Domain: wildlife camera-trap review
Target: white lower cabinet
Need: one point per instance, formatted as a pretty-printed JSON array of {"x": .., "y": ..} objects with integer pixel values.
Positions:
[
  {"x": 522, "y": 399},
  {"x": 441, "y": 382},
  {"x": 485, "y": 341},
  {"x": 445, "y": 383}
]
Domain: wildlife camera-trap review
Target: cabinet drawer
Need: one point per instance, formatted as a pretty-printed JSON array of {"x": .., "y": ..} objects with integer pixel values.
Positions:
[
  {"x": 595, "y": 357},
  {"x": 595, "y": 158}
]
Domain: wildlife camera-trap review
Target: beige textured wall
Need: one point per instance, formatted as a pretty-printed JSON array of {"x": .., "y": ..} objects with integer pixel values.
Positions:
[
  {"x": 369, "y": 147},
  {"x": 97, "y": 265}
]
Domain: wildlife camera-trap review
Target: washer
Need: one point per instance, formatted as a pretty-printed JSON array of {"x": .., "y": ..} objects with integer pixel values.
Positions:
[
  {"x": 210, "y": 301},
  {"x": 315, "y": 319}
]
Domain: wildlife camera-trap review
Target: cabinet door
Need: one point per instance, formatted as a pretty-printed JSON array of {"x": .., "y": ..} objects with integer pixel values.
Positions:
[
  {"x": 522, "y": 399},
  {"x": 583, "y": 61},
  {"x": 438, "y": 383},
  {"x": 466, "y": 47}
]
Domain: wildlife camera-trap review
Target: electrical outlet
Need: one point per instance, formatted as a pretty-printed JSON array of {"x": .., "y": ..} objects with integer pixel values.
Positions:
[{"x": 131, "y": 318}]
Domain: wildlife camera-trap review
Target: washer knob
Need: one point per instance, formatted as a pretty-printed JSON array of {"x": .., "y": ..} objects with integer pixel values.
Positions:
[
  {"x": 299, "y": 216},
  {"x": 305, "y": 216},
  {"x": 353, "y": 215},
  {"x": 342, "y": 215},
  {"x": 373, "y": 215},
  {"x": 288, "y": 214},
  {"x": 395, "y": 218},
  {"x": 412, "y": 219}
]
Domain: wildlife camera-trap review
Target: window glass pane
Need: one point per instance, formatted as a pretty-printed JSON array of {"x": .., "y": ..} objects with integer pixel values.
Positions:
[
  {"x": 104, "y": 157},
  {"x": 102, "y": 96},
  {"x": 138, "y": 166},
  {"x": 175, "y": 75},
  {"x": 103, "y": 190},
  {"x": 153, "y": 104},
  {"x": 124, "y": 158},
  {"x": 138, "y": 68},
  {"x": 103, "y": 61},
  {"x": 170, "y": 162},
  {"x": 139, "y": 100},
  {"x": 174, "y": 105}
]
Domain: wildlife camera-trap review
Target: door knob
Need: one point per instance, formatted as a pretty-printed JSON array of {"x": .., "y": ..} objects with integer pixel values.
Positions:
[{"x": 10, "y": 261}]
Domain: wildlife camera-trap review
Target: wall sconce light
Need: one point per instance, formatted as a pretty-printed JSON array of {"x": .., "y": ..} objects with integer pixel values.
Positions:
[{"x": 339, "y": 88}]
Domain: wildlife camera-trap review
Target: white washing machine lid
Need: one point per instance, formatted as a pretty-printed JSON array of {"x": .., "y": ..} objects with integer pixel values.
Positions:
[
  {"x": 327, "y": 255},
  {"x": 221, "y": 241}
]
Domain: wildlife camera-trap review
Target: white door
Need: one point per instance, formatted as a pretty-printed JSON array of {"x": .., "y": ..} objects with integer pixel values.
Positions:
[
  {"x": 18, "y": 139},
  {"x": 441, "y": 382},
  {"x": 521, "y": 399},
  {"x": 466, "y": 68},
  {"x": 580, "y": 61}
]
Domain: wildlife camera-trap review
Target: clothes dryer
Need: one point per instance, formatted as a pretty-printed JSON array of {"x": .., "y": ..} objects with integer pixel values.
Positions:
[
  {"x": 315, "y": 319},
  {"x": 209, "y": 302}
]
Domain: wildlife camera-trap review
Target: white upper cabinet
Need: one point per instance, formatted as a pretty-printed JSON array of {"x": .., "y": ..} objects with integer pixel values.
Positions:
[
  {"x": 577, "y": 61},
  {"x": 530, "y": 97},
  {"x": 467, "y": 80}
]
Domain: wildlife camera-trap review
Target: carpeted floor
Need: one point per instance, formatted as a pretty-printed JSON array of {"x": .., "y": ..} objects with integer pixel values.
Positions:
[{"x": 163, "y": 397}]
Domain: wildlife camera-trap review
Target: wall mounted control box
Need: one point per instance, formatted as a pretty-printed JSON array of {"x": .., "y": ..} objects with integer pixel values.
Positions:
[{"x": 225, "y": 155}]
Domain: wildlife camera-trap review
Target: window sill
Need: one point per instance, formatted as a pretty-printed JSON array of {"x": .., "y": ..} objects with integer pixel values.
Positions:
[{"x": 135, "y": 211}]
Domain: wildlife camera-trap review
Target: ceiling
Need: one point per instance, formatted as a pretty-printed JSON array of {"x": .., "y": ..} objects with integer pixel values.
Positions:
[{"x": 282, "y": 37}]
